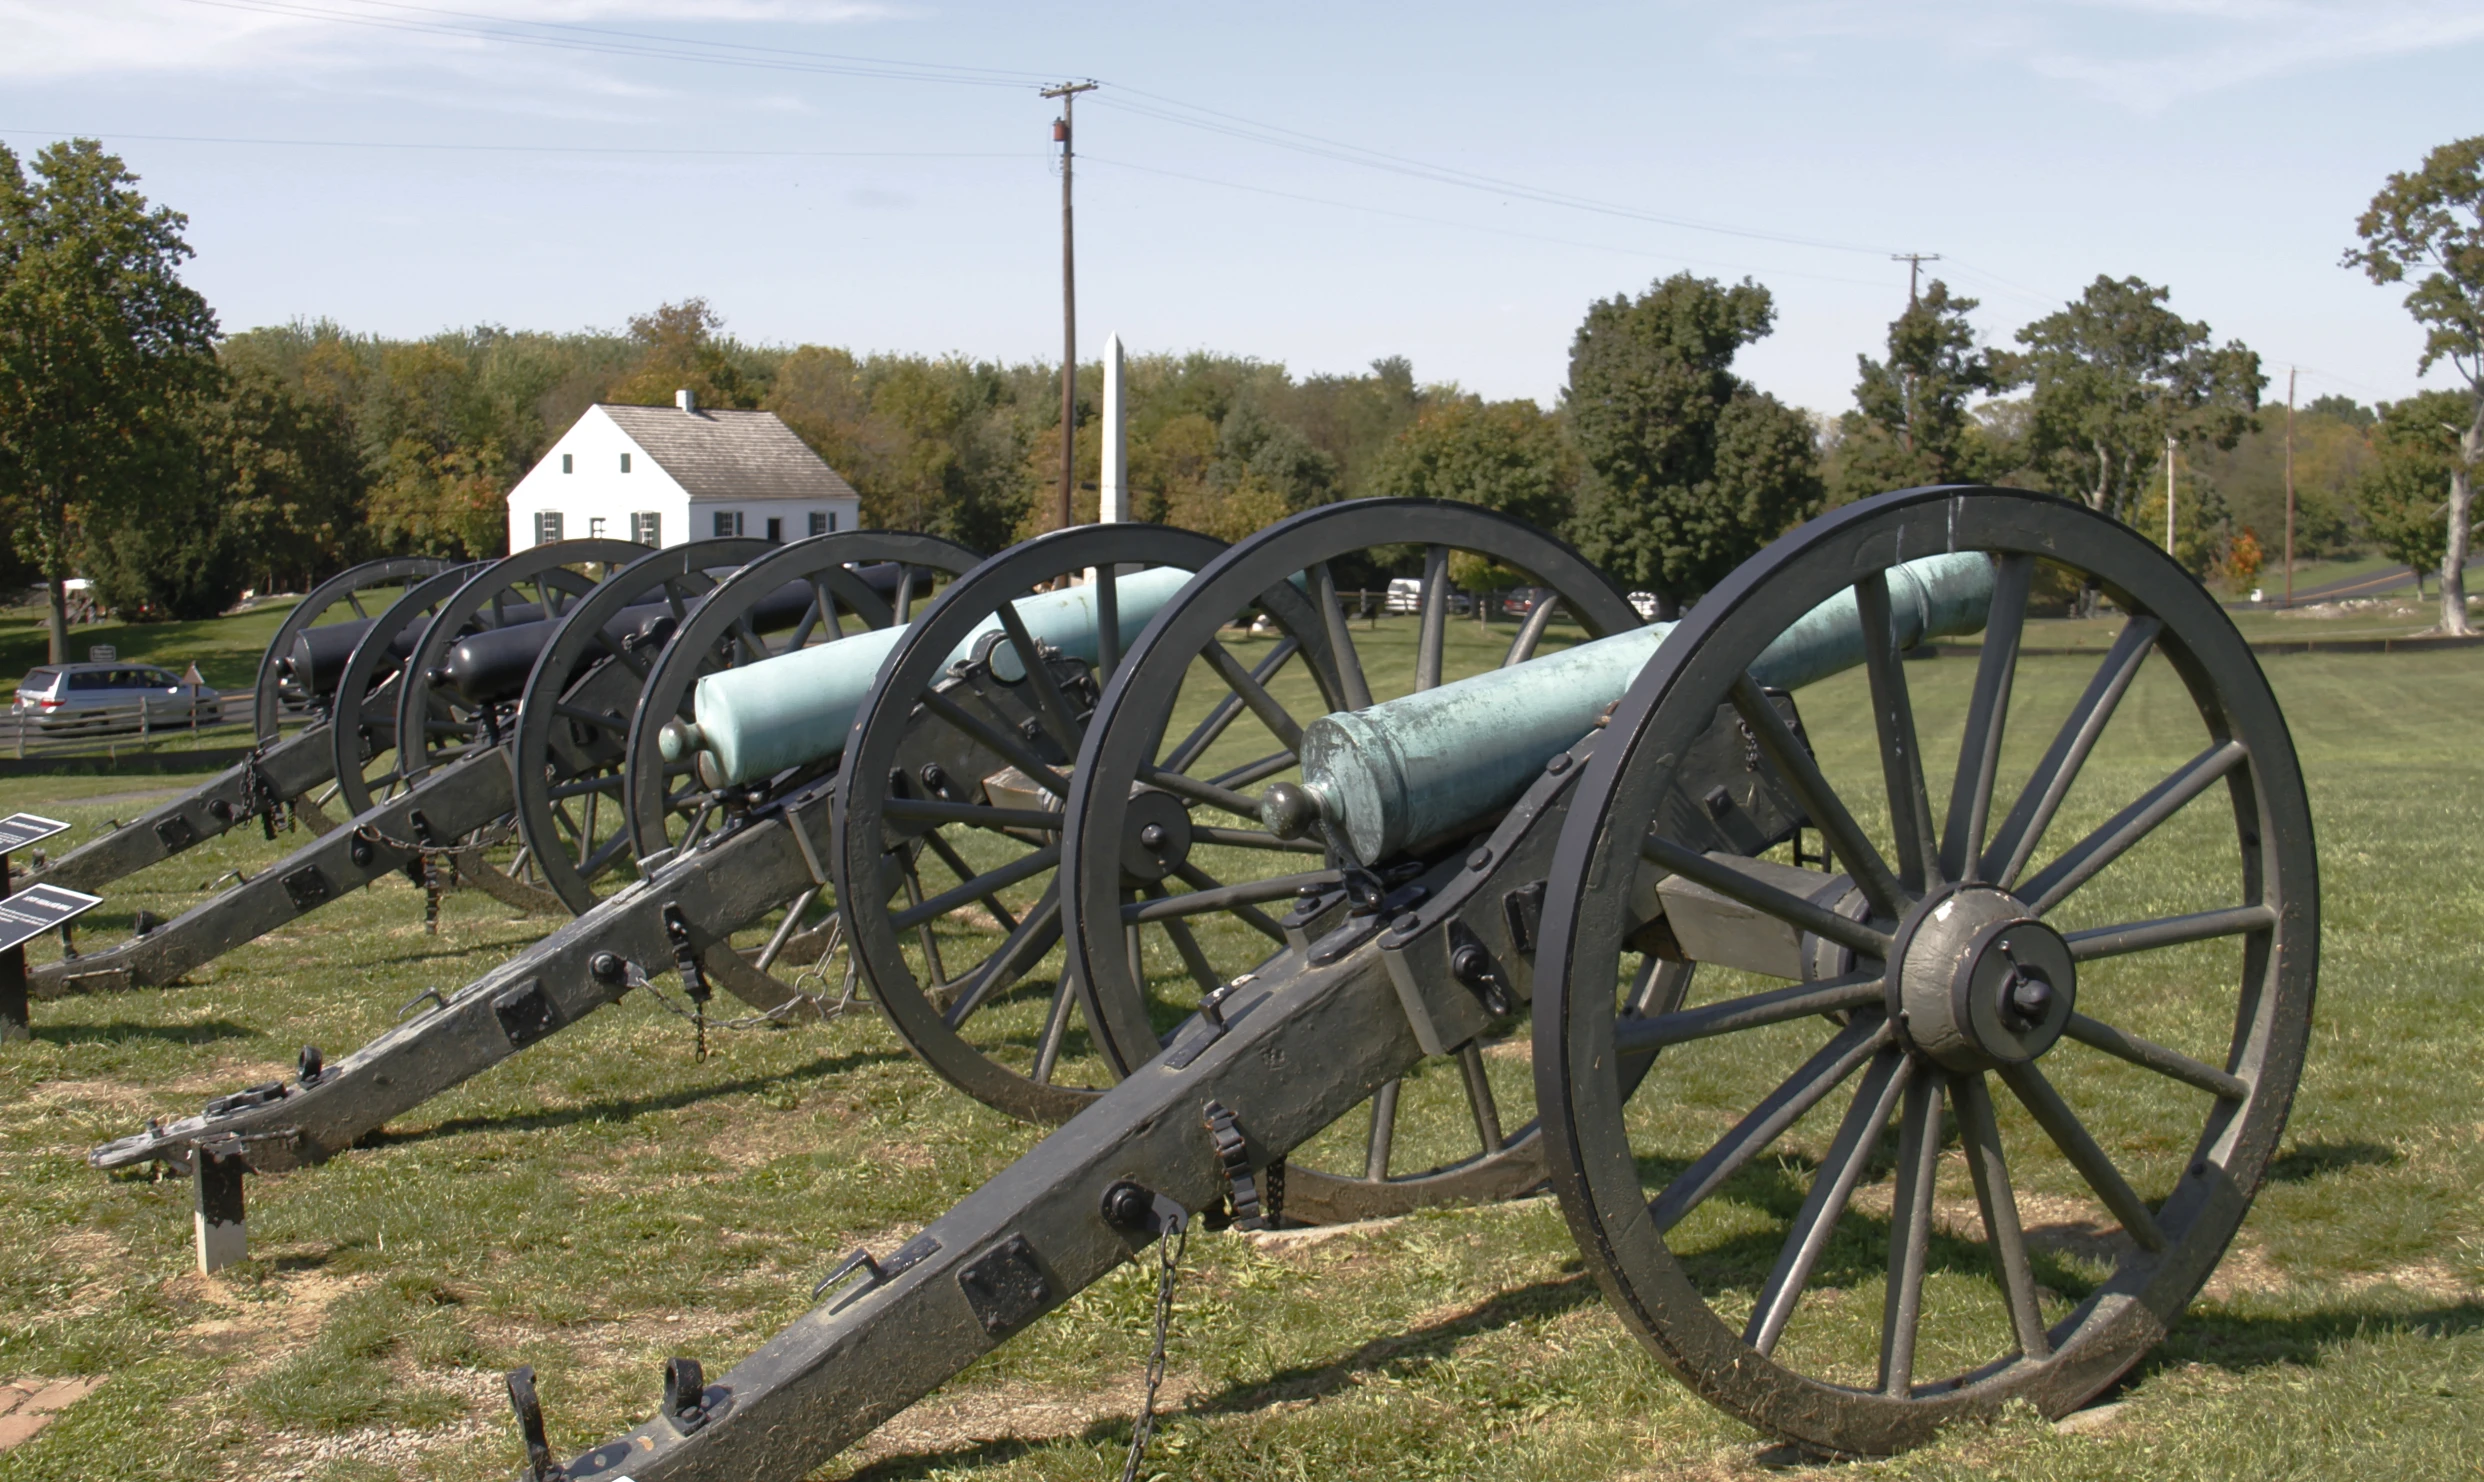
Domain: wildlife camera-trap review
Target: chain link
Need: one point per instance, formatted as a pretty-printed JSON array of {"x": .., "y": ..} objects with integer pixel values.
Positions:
[
  {"x": 696, "y": 1015},
  {"x": 1169, "y": 1250}
]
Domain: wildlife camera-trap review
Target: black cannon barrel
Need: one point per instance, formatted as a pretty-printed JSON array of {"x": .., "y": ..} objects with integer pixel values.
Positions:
[{"x": 319, "y": 654}]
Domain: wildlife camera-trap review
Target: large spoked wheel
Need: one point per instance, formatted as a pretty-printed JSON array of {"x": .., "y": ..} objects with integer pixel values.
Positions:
[
  {"x": 2109, "y": 1027},
  {"x": 437, "y": 725},
  {"x": 949, "y": 807},
  {"x": 363, "y": 733},
  {"x": 573, "y": 720},
  {"x": 345, "y": 598},
  {"x": 827, "y": 589},
  {"x": 1172, "y": 885}
]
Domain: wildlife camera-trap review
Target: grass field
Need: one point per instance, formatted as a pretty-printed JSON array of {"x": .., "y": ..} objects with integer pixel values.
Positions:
[{"x": 606, "y": 1200}]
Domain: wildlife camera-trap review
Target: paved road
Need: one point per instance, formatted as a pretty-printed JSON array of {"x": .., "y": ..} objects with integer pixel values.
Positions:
[{"x": 2376, "y": 584}]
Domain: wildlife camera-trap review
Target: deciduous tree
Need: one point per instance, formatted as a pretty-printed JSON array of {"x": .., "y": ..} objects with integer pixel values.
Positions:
[
  {"x": 2427, "y": 226},
  {"x": 102, "y": 350},
  {"x": 1691, "y": 468},
  {"x": 1911, "y": 424},
  {"x": 2404, "y": 491},
  {"x": 2115, "y": 373}
]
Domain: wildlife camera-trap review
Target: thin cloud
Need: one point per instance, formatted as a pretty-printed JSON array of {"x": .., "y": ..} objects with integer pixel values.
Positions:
[{"x": 2140, "y": 54}]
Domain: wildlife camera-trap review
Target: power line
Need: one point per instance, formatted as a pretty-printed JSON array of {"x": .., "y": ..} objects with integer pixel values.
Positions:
[{"x": 955, "y": 154}]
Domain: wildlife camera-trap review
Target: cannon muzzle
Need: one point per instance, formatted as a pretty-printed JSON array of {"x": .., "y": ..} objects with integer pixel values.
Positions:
[
  {"x": 760, "y": 719},
  {"x": 1415, "y": 768}
]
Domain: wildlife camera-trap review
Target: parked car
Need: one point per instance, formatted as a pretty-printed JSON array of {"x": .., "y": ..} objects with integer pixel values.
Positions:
[
  {"x": 1406, "y": 595},
  {"x": 60, "y": 697},
  {"x": 1519, "y": 601}
]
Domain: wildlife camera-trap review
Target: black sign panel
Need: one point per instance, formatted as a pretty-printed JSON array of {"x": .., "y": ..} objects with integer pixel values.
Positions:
[
  {"x": 21, "y": 829},
  {"x": 37, "y": 909}
]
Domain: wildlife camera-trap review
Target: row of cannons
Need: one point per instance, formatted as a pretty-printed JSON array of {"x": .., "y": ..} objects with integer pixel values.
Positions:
[{"x": 1137, "y": 833}]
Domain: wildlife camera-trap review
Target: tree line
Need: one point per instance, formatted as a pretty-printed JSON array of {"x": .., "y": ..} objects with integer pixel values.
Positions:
[{"x": 177, "y": 465}]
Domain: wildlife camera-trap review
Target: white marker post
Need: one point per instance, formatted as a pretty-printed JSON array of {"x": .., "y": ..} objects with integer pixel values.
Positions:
[{"x": 1113, "y": 505}]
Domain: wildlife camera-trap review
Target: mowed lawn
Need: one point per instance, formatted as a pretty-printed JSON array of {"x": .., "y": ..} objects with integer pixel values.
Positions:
[{"x": 606, "y": 1200}]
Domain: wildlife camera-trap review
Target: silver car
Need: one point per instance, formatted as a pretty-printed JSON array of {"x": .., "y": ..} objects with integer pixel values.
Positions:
[{"x": 61, "y": 697}]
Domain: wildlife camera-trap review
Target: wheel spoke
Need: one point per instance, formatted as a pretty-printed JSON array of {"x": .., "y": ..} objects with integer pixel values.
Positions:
[
  {"x": 1025, "y": 947},
  {"x": 1107, "y": 620},
  {"x": 922, "y": 921},
  {"x": 605, "y": 782},
  {"x": 980, "y": 815},
  {"x": 1901, "y": 749},
  {"x": 1970, "y": 794},
  {"x": 596, "y": 863},
  {"x": 1531, "y": 633},
  {"x": 1479, "y": 1100},
  {"x": 354, "y": 601},
  {"x": 1247, "y": 838},
  {"x": 1980, "y": 1130},
  {"x": 1832, "y": 1185},
  {"x": 2062, "y": 1125},
  {"x": 1633, "y": 1036},
  {"x": 1262, "y": 704},
  {"x": 1240, "y": 805},
  {"x": 1052, "y": 707},
  {"x": 2041, "y": 798},
  {"x": 1824, "y": 1072},
  {"x": 1253, "y": 917},
  {"x": 1434, "y": 610},
  {"x": 2171, "y": 931},
  {"x": 1767, "y": 899},
  {"x": 1793, "y": 762},
  {"x": 965, "y": 874},
  {"x": 1341, "y": 650},
  {"x": 1910, "y": 1233},
  {"x": 1383, "y": 1132},
  {"x": 1167, "y": 907},
  {"x": 1056, "y": 1030},
  {"x": 2149, "y": 1055},
  {"x": 981, "y": 888},
  {"x": 601, "y": 720},
  {"x": 1249, "y": 772},
  {"x": 998, "y": 739},
  {"x": 2082, "y": 861},
  {"x": 1201, "y": 973},
  {"x": 1209, "y": 730}
]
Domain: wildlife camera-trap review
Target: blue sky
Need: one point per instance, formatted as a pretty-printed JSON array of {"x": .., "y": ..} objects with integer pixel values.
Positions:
[{"x": 1458, "y": 183}]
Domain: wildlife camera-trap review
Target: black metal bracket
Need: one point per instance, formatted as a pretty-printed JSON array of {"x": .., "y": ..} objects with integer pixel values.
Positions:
[
  {"x": 685, "y": 956},
  {"x": 914, "y": 1252},
  {"x": 685, "y": 1394},
  {"x": 1233, "y": 1155},
  {"x": 540, "y": 1467}
]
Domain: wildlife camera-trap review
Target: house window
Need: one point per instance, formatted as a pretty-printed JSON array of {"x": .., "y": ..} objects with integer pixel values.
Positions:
[
  {"x": 822, "y": 522},
  {"x": 776, "y": 532},
  {"x": 647, "y": 528},
  {"x": 625, "y": 463},
  {"x": 728, "y": 522},
  {"x": 569, "y": 463},
  {"x": 595, "y": 527},
  {"x": 547, "y": 526}
]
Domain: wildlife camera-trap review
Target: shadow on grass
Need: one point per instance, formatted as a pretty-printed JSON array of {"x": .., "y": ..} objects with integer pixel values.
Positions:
[
  {"x": 2312, "y": 1160},
  {"x": 1396, "y": 1354},
  {"x": 205, "y": 1032},
  {"x": 628, "y": 1108},
  {"x": 2239, "y": 1344}
]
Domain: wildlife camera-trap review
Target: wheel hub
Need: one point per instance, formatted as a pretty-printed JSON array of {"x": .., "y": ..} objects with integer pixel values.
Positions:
[
  {"x": 1980, "y": 983},
  {"x": 1155, "y": 835}
]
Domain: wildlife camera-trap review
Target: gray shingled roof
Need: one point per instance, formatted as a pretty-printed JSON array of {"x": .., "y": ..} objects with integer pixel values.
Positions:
[{"x": 727, "y": 454}]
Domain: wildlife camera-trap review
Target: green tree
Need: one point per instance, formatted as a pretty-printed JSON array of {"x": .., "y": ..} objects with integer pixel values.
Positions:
[
  {"x": 1509, "y": 456},
  {"x": 680, "y": 350},
  {"x": 2405, "y": 484},
  {"x": 1691, "y": 467},
  {"x": 1911, "y": 425},
  {"x": 2428, "y": 226},
  {"x": 102, "y": 350},
  {"x": 2115, "y": 373}
]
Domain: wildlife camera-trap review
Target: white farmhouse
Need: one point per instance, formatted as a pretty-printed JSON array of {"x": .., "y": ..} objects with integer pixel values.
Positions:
[{"x": 664, "y": 475}]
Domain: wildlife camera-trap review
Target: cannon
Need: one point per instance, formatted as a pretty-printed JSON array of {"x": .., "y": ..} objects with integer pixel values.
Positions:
[
  {"x": 2149, "y": 1021},
  {"x": 730, "y": 905},
  {"x": 282, "y": 775}
]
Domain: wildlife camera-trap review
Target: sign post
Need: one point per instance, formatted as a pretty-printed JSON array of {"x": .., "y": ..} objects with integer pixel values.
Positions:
[{"x": 25, "y": 917}]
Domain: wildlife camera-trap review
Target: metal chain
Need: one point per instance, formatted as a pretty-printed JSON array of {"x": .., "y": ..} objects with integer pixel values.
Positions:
[
  {"x": 258, "y": 794},
  {"x": 817, "y": 1001},
  {"x": 370, "y": 834},
  {"x": 1169, "y": 1250}
]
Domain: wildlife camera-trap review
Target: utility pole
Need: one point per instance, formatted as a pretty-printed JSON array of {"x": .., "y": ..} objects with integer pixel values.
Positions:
[
  {"x": 1914, "y": 268},
  {"x": 1914, "y": 271},
  {"x": 1068, "y": 93},
  {"x": 2290, "y": 487}
]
